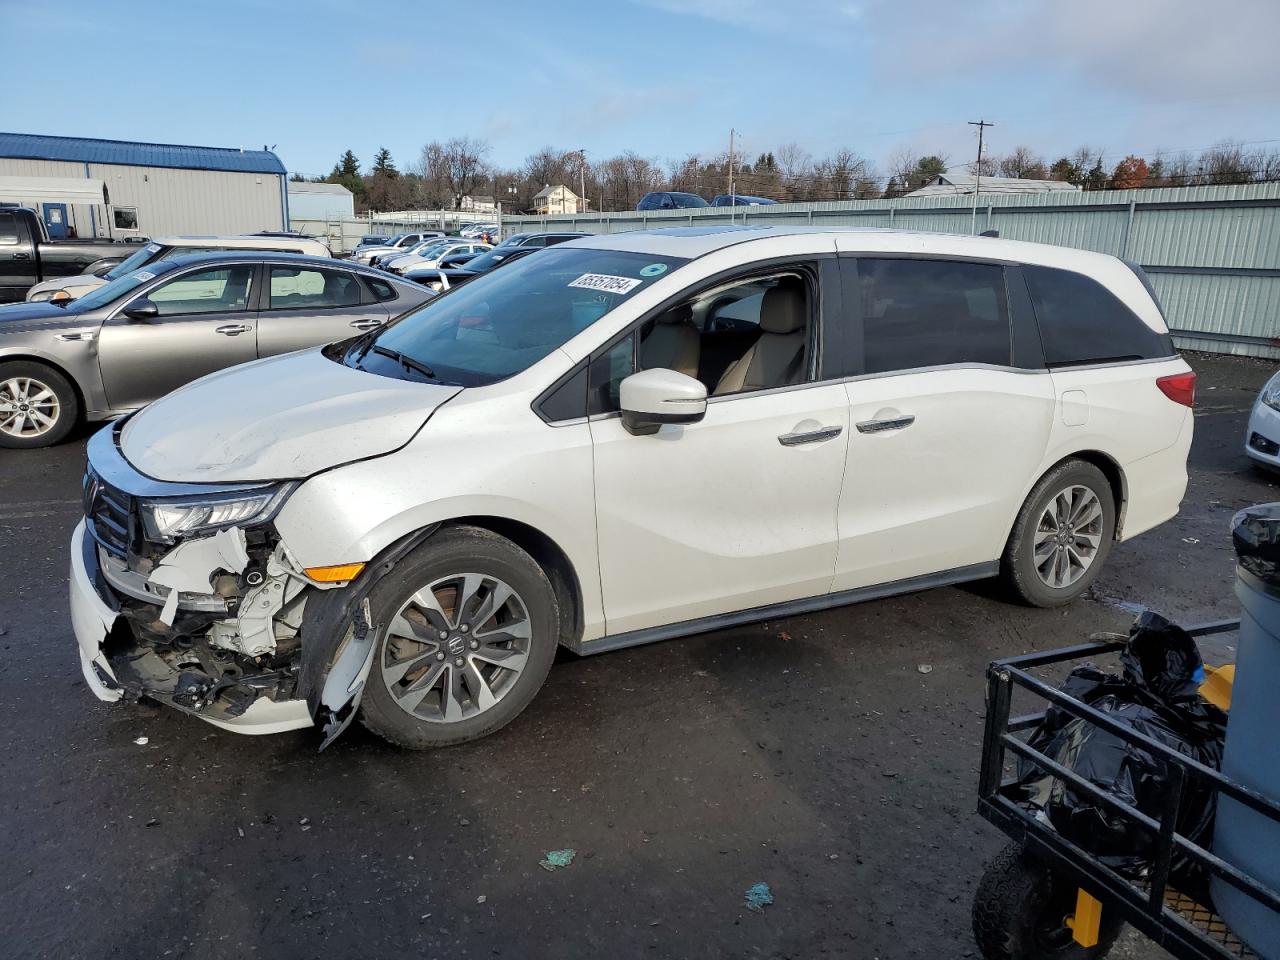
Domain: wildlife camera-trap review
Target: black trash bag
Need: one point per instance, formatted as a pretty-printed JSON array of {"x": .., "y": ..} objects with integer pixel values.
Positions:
[
  {"x": 1255, "y": 532},
  {"x": 1157, "y": 696}
]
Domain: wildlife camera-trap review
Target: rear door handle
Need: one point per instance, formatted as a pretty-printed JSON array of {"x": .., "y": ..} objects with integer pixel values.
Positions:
[
  {"x": 810, "y": 436},
  {"x": 22, "y": 256},
  {"x": 880, "y": 426},
  {"x": 233, "y": 329},
  {"x": 368, "y": 324}
]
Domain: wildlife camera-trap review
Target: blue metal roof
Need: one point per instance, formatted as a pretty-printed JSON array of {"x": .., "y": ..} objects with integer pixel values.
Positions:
[{"x": 30, "y": 146}]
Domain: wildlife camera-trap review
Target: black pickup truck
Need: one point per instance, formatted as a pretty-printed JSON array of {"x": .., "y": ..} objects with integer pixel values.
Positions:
[{"x": 27, "y": 255}]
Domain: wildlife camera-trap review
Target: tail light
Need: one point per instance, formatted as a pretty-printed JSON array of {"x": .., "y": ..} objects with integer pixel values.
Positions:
[{"x": 1179, "y": 387}]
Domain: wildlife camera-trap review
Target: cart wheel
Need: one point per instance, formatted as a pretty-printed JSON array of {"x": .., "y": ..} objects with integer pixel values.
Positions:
[{"x": 1020, "y": 911}]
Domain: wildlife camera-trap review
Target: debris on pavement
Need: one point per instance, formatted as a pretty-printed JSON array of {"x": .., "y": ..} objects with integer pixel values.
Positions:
[
  {"x": 924, "y": 668},
  {"x": 556, "y": 859},
  {"x": 481, "y": 899},
  {"x": 141, "y": 741},
  {"x": 758, "y": 897}
]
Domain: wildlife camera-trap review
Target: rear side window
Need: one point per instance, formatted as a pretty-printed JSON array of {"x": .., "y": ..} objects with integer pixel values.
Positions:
[
  {"x": 926, "y": 313},
  {"x": 1081, "y": 321},
  {"x": 8, "y": 229},
  {"x": 382, "y": 290}
]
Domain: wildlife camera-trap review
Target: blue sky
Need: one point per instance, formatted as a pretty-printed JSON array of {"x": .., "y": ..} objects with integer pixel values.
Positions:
[{"x": 662, "y": 77}]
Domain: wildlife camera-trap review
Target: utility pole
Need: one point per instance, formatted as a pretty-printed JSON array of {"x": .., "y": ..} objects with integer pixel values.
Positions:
[
  {"x": 977, "y": 173},
  {"x": 732, "y": 203},
  {"x": 582, "y": 177}
]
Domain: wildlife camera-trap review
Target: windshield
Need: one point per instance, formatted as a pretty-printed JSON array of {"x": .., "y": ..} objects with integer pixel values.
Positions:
[
  {"x": 502, "y": 322},
  {"x": 486, "y": 260},
  {"x": 114, "y": 290},
  {"x": 429, "y": 250},
  {"x": 143, "y": 256}
]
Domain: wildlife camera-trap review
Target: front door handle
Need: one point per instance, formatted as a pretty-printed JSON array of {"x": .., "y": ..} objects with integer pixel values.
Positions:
[
  {"x": 810, "y": 436},
  {"x": 880, "y": 426},
  {"x": 233, "y": 329},
  {"x": 22, "y": 256},
  {"x": 366, "y": 324}
]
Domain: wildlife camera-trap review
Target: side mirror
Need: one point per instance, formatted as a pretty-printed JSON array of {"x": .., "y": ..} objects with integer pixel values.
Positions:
[
  {"x": 142, "y": 311},
  {"x": 651, "y": 398}
]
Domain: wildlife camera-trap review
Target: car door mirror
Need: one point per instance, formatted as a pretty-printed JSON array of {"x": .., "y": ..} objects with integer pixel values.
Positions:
[
  {"x": 651, "y": 398},
  {"x": 142, "y": 310}
]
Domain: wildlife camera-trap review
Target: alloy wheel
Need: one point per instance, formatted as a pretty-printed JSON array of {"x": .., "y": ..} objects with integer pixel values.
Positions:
[
  {"x": 28, "y": 408},
  {"x": 1068, "y": 536},
  {"x": 456, "y": 647}
]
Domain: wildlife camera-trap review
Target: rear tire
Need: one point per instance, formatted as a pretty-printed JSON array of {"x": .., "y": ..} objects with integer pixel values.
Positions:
[
  {"x": 1020, "y": 908},
  {"x": 468, "y": 629},
  {"x": 1061, "y": 537},
  {"x": 38, "y": 405}
]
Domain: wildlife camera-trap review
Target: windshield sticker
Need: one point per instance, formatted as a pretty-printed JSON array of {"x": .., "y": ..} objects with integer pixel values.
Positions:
[
  {"x": 142, "y": 276},
  {"x": 654, "y": 270},
  {"x": 153, "y": 248},
  {"x": 605, "y": 283}
]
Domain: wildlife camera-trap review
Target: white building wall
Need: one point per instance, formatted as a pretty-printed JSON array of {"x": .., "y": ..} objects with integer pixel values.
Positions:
[
  {"x": 305, "y": 205},
  {"x": 169, "y": 201}
]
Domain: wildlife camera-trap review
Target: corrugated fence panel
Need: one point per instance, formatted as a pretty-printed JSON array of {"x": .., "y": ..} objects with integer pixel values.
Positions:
[{"x": 1215, "y": 251}]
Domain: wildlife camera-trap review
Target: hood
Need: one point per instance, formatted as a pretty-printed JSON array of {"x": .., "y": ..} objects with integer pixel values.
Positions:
[
  {"x": 281, "y": 418},
  {"x": 81, "y": 284},
  {"x": 36, "y": 314}
]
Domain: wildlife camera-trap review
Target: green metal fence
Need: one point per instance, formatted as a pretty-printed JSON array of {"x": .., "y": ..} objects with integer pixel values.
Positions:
[{"x": 1213, "y": 253}]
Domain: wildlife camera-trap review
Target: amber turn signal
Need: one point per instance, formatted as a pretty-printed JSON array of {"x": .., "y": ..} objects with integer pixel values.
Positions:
[{"x": 335, "y": 574}]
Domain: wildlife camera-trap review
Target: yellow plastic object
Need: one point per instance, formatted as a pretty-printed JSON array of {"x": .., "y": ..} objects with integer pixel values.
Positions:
[
  {"x": 1217, "y": 685},
  {"x": 335, "y": 574},
  {"x": 1087, "y": 919}
]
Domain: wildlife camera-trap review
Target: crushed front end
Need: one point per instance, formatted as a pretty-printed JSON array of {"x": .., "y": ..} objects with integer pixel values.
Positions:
[{"x": 185, "y": 594}]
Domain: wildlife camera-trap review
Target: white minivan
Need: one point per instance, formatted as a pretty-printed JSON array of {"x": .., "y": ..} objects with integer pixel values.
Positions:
[{"x": 623, "y": 439}]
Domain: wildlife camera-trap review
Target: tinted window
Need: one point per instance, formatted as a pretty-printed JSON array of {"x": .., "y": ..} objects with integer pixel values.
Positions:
[
  {"x": 381, "y": 289},
  {"x": 292, "y": 288},
  {"x": 924, "y": 313},
  {"x": 8, "y": 228},
  {"x": 1081, "y": 321},
  {"x": 125, "y": 218},
  {"x": 606, "y": 374},
  {"x": 218, "y": 290}
]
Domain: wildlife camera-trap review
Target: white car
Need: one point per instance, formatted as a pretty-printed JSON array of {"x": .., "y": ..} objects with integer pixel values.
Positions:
[
  {"x": 396, "y": 245},
  {"x": 1262, "y": 436},
  {"x": 64, "y": 289},
  {"x": 623, "y": 439},
  {"x": 477, "y": 230},
  {"x": 430, "y": 255}
]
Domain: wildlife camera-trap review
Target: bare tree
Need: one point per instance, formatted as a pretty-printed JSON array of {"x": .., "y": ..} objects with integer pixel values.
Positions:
[{"x": 1023, "y": 164}]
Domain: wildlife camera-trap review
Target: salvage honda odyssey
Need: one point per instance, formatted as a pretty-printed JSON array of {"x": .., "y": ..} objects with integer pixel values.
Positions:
[{"x": 623, "y": 439}]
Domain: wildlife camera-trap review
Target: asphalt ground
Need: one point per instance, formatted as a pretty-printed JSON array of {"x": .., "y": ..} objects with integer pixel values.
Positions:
[{"x": 811, "y": 754}]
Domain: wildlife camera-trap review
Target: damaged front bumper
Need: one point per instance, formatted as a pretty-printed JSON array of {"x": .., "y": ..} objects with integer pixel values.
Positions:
[
  {"x": 211, "y": 623},
  {"x": 102, "y": 636}
]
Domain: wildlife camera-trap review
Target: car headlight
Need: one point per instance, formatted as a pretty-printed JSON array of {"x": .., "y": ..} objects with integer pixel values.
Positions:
[
  {"x": 1271, "y": 392},
  {"x": 168, "y": 519}
]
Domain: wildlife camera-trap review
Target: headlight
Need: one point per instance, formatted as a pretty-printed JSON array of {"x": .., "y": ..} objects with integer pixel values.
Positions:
[
  {"x": 44, "y": 295},
  {"x": 166, "y": 520},
  {"x": 1271, "y": 392}
]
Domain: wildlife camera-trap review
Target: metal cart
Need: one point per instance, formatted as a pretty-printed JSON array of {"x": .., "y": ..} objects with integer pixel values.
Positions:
[{"x": 1045, "y": 896}]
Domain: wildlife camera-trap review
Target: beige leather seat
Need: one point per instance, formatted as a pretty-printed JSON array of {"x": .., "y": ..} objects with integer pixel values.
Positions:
[
  {"x": 674, "y": 343},
  {"x": 777, "y": 357}
]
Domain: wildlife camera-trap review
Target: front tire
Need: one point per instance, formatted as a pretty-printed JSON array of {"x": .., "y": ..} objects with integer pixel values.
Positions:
[
  {"x": 468, "y": 627},
  {"x": 1062, "y": 536},
  {"x": 1020, "y": 910},
  {"x": 38, "y": 405}
]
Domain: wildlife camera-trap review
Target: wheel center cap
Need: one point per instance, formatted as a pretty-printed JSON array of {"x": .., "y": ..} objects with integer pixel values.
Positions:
[
  {"x": 456, "y": 646},
  {"x": 24, "y": 407}
]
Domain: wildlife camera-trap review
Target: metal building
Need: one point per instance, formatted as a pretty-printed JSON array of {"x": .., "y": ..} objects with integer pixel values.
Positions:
[
  {"x": 321, "y": 201},
  {"x": 147, "y": 189}
]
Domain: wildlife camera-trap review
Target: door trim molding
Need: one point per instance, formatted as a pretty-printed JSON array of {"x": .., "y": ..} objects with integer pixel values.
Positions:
[{"x": 788, "y": 608}]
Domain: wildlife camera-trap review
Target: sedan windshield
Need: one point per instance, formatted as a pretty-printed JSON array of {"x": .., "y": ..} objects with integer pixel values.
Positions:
[
  {"x": 112, "y": 291},
  {"x": 133, "y": 263},
  {"x": 506, "y": 320}
]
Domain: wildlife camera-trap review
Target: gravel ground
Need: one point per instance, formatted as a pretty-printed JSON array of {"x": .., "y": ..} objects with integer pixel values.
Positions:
[{"x": 810, "y": 754}]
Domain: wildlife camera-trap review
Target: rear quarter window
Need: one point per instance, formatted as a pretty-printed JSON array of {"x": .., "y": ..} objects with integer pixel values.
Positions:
[{"x": 1081, "y": 321}]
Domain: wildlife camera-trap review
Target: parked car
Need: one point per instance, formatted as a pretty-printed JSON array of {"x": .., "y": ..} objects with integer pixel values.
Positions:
[
  {"x": 740, "y": 200},
  {"x": 475, "y": 230},
  {"x": 149, "y": 331},
  {"x": 431, "y": 255},
  {"x": 539, "y": 239},
  {"x": 444, "y": 277},
  {"x": 166, "y": 248},
  {"x": 623, "y": 439},
  {"x": 399, "y": 243},
  {"x": 373, "y": 240},
  {"x": 668, "y": 200},
  {"x": 1262, "y": 436},
  {"x": 379, "y": 258},
  {"x": 28, "y": 256}
]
